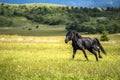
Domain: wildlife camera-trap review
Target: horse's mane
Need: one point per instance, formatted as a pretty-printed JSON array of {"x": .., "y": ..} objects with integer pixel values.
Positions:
[{"x": 76, "y": 34}]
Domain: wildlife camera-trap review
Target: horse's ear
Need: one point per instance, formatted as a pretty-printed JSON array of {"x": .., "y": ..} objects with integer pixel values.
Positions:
[
  {"x": 77, "y": 35},
  {"x": 74, "y": 31}
]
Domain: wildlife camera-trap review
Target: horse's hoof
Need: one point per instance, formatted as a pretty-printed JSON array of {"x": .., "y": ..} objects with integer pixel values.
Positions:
[
  {"x": 87, "y": 59},
  {"x": 100, "y": 57}
]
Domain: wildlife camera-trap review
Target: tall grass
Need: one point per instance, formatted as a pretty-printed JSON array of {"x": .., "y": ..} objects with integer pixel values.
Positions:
[{"x": 49, "y": 58}]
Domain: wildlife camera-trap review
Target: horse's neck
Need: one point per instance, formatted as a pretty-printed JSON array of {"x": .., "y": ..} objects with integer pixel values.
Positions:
[
  {"x": 74, "y": 43},
  {"x": 75, "y": 39}
]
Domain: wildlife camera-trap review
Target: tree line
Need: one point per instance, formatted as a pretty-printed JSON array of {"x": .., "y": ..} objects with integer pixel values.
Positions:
[{"x": 82, "y": 19}]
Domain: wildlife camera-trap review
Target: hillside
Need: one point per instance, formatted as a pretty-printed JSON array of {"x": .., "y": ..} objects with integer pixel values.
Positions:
[
  {"x": 43, "y": 4},
  {"x": 82, "y": 19},
  {"x": 36, "y": 5}
]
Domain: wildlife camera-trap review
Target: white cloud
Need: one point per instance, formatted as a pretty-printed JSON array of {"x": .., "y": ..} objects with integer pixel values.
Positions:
[{"x": 111, "y": 2}]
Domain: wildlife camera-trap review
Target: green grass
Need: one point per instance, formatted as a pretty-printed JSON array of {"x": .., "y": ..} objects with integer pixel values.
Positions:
[
  {"x": 41, "y": 54},
  {"x": 49, "y": 58}
]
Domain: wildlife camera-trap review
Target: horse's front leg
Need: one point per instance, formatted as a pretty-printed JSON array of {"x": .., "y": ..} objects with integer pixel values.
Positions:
[
  {"x": 74, "y": 52},
  {"x": 99, "y": 53},
  {"x": 97, "y": 49}
]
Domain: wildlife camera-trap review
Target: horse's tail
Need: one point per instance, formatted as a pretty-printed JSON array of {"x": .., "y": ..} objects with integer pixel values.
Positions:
[{"x": 101, "y": 47}]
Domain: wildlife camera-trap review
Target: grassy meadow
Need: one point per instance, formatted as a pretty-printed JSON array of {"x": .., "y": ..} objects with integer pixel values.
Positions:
[
  {"x": 24, "y": 56},
  {"x": 30, "y": 53}
]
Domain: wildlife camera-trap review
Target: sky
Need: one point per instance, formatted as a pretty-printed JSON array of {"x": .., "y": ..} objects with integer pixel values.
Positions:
[{"x": 76, "y": 3}]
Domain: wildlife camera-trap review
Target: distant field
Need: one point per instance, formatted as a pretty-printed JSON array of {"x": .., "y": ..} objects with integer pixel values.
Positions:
[
  {"x": 43, "y": 30},
  {"x": 24, "y": 27},
  {"x": 49, "y": 58}
]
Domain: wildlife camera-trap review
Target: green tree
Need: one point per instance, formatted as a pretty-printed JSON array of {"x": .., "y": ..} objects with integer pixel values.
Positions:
[
  {"x": 73, "y": 26},
  {"x": 100, "y": 28}
]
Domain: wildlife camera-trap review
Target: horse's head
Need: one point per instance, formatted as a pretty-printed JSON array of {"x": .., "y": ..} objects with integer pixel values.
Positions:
[
  {"x": 72, "y": 35},
  {"x": 69, "y": 36}
]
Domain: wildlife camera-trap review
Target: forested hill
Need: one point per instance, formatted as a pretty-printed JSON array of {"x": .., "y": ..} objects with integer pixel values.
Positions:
[{"x": 83, "y": 19}]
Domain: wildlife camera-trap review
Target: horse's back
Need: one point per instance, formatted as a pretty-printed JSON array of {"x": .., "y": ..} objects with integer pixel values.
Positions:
[{"x": 87, "y": 42}]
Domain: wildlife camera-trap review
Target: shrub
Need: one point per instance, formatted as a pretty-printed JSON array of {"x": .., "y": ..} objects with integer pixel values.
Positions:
[
  {"x": 29, "y": 29},
  {"x": 37, "y": 26},
  {"x": 104, "y": 36}
]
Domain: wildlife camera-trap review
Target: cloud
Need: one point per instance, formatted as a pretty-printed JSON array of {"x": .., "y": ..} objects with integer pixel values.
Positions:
[
  {"x": 103, "y": 3},
  {"x": 111, "y": 2},
  {"x": 79, "y": 3},
  {"x": 97, "y": 3},
  {"x": 92, "y": 3}
]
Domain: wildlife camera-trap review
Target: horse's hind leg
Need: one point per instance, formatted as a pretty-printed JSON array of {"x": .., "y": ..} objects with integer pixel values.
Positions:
[
  {"x": 92, "y": 51},
  {"x": 85, "y": 55}
]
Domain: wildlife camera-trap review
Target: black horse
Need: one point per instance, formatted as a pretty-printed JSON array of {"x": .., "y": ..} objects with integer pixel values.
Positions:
[{"x": 82, "y": 43}]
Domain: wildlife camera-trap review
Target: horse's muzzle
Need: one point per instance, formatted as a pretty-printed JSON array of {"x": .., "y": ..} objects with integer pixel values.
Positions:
[{"x": 66, "y": 41}]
